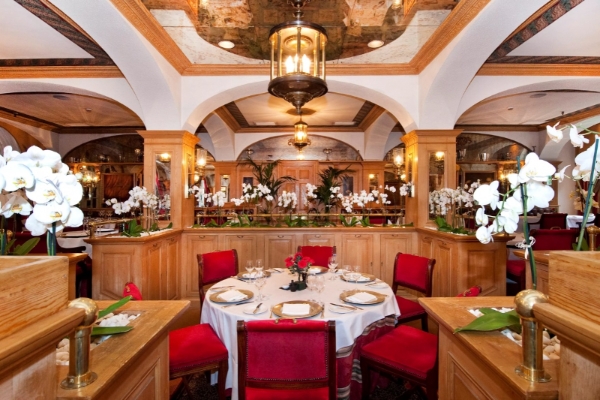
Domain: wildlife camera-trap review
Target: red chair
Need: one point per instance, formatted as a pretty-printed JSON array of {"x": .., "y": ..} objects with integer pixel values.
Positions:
[
  {"x": 405, "y": 352},
  {"x": 286, "y": 360},
  {"x": 553, "y": 221},
  {"x": 214, "y": 267},
  {"x": 320, "y": 254},
  {"x": 413, "y": 272}
]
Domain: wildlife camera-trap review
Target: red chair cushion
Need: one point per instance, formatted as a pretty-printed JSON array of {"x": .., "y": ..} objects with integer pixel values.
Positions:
[
  {"x": 405, "y": 348},
  {"x": 515, "y": 267},
  {"x": 471, "y": 292},
  {"x": 320, "y": 254},
  {"x": 411, "y": 271},
  {"x": 287, "y": 394},
  {"x": 218, "y": 265},
  {"x": 194, "y": 346},
  {"x": 408, "y": 308},
  {"x": 132, "y": 290}
]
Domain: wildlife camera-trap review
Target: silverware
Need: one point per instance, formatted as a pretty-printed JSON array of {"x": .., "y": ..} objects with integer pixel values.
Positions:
[
  {"x": 257, "y": 308},
  {"x": 323, "y": 312},
  {"x": 271, "y": 316},
  {"x": 344, "y": 306},
  {"x": 237, "y": 304},
  {"x": 221, "y": 287}
]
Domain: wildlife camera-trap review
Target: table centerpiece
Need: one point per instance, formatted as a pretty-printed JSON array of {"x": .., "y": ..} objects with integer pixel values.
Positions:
[{"x": 298, "y": 264}]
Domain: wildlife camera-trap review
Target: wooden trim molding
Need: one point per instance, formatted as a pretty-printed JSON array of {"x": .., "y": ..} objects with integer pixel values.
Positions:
[
  {"x": 290, "y": 129},
  {"x": 494, "y": 69},
  {"x": 146, "y": 24},
  {"x": 332, "y": 69},
  {"x": 24, "y": 139},
  {"x": 573, "y": 117},
  {"x": 371, "y": 117},
  {"x": 459, "y": 18},
  {"x": 60, "y": 72},
  {"x": 228, "y": 119},
  {"x": 488, "y": 128}
]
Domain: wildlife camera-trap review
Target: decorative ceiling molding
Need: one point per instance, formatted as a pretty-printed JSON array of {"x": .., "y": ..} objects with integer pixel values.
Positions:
[
  {"x": 24, "y": 139},
  {"x": 286, "y": 129},
  {"x": 55, "y": 21},
  {"x": 459, "y": 18},
  {"x": 99, "y": 130},
  {"x": 548, "y": 14},
  {"x": 367, "y": 115},
  {"x": 573, "y": 117},
  {"x": 488, "y": 128},
  {"x": 27, "y": 119},
  {"x": 225, "y": 114},
  {"x": 539, "y": 69},
  {"x": 60, "y": 72}
]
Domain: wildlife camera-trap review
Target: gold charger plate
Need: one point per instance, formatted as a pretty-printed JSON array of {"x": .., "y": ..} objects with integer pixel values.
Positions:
[
  {"x": 216, "y": 299},
  {"x": 315, "y": 309},
  {"x": 371, "y": 278},
  {"x": 380, "y": 298},
  {"x": 241, "y": 275},
  {"x": 322, "y": 270}
]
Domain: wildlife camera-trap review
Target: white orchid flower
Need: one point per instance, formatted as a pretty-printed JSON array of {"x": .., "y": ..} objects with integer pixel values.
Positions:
[
  {"x": 17, "y": 176},
  {"x": 16, "y": 204},
  {"x": 539, "y": 195},
  {"x": 75, "y": 217},
  {"x": 9, "y": 153},
  {"x": 51, "y": 212},
  {"x": 577, "y": 140},
  {"x": 71, "y": 189},
  {"x": 487, "y": 195},
  {"x": 35, "y": 227},
  {"x": 44, "y": 191},
  {"x": 555, "y": 135},
  {"x": 536, "y": 169},
  {"x": 481, "y": 217},
  {"x": 2, "y": 181},
  {"x": 560, "y": 175},
  {"x": 484, "y": 234}
]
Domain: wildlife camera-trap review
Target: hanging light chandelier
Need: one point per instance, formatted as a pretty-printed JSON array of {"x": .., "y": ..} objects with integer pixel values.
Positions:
[
  {"x": 298, "y": 59},
  {"x": 300, "y": 139}
]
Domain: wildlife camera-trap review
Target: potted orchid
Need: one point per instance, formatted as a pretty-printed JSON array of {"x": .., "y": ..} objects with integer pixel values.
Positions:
[
  {"x": 139, "y": 200},
  {"x": 448, "y": 204},
  {"x": 41, "y": 177}
]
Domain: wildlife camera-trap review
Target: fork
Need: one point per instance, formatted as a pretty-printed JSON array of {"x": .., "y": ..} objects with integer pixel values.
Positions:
[{"x": 271, "y": 316}]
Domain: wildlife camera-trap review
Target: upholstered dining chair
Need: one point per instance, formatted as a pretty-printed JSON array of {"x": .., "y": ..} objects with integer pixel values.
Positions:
[
  {"x": 214, "y": 267},
  {"x": 413, "y": 272},
  {"x": 406, "y": 352},
  {"x": 320, "y": 254},
  {"x": 286, "y": 359}
]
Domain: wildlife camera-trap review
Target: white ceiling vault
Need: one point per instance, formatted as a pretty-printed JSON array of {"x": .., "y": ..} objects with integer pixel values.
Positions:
[{"x": 107, "y": 67}]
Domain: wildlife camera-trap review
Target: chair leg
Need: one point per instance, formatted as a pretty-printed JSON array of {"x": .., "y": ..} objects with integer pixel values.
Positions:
[
  {"x": 366, "y": 378},
  {"x": 187, "y": 386},
  {"x": 425, "y": 323},
  {"x": 223, "y": 367}
]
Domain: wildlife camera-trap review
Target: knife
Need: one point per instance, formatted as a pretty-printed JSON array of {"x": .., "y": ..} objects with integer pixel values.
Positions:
[
  {"x": 257, "y": 308},
  {"x": 349, "y": 307},
  {"x": 237, "y": 304},
  {"x": 221, "y": 287}
]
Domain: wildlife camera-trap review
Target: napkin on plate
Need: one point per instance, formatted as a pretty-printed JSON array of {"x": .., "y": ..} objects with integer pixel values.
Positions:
[
  {"x": 364, "y": 279},
  {"x": 361, "y": 297},
  {"x": 232, "y": 295},
  {"x": 314, "y": 271},
  {"x": 295, "y": 309}
]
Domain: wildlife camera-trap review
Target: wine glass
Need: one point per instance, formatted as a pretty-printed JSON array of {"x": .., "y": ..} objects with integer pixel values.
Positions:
[
  {"x": 259, "y": 267},
  {"x": 319, "y": 283},
  {"x": 347, "y": 272},
  {"x": 259, "y": 282},
  {"x": 310, "y": 282},
  {"x": 332, "y": 264},
  {"x": 249, "y": 268},
  {"x": 357, "y": 274}
]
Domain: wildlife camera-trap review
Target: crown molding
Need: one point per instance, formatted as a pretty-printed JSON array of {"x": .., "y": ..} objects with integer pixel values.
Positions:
[
  {"x": 572, "y": 118},
  {"x": 490, "y": 128},
  {"x": 290, "y": 129},
  {"x": 228, "y": 119},
  {"x": 142, "y": 20},
  {"x": 459, "y": 18},
  {"x": 60, "y": 72},
  {"x": 371, "y": 117},
  {"x": 493, "y": 69},
  {"x": 79, "y": 130}
]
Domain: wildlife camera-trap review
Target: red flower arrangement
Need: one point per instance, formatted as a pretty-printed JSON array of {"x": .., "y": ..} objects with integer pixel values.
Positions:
[{"x": 297, "y": 263}]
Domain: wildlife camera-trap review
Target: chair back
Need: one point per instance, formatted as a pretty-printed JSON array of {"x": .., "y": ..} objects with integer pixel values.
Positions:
[
  {"x": 413, "y": 272},
  {"x": 554, "y": 239},
  {"x": 320, "y": 254},
  {"x": 216, "y": 266},
  {"x": 553, "y": 221},
  {"x": 278, "y": 357}
]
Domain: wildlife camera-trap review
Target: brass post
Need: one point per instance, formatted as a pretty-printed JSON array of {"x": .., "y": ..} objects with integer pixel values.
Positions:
[
  {"x": 532, "y": 367},
  {"x": 79, "y": 347},
  {"x": 592, "y": 231}
]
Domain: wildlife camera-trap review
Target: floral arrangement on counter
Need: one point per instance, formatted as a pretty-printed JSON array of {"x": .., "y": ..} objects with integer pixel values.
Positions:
[
  {"x": 139, "y": 200},
  {"x": 456, "y": 204},
  {"x": 40, "y": 177}
]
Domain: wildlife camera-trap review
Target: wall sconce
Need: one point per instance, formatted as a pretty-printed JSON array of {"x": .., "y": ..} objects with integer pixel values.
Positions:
[
  {"x": 439, "y": 155},
  {"x": 398, "y": 159},
  {"x": 327, "y": 153},
  {"x": 201, "y": 159},
  {"x": 165, "y": 157}
]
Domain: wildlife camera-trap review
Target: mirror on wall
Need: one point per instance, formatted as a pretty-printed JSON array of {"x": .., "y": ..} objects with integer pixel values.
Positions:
[
  {"x": 436, "y": 170},
  {"x": 162, "y": 184}
]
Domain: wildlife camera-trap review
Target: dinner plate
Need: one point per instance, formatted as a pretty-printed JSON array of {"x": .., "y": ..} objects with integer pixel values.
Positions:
[
  {"x": 250, "y": 309},
  {"x": 369, "y": 276},
  {"x": 241, "y": 275},
  {"x": 216, "y": 299},
  {"x": 340, "y": 310},
  {"x": 105, "y": 229},
  {"x": 322, "y": 270},
  {"x": 378, "y": 285},
  {"x": 380, "y": 298},
  {"x": 315, "y": 309}
]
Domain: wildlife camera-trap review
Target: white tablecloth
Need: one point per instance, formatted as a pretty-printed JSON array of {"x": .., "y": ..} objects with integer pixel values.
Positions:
[
  {"x": 348, "y": 326},
  {"x": 72, "y": 239},
  {"x": 574, "y": 221}
]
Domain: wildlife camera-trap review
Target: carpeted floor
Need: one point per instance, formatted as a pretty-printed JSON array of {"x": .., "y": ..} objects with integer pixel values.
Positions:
[{"x": 203, "y": 391}]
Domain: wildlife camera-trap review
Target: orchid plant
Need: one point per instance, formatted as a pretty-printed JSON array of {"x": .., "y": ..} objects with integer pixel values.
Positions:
[
  {"x": 139, "y": 199},
  {"x": 41, "y": 177},
  {"x": 450, "y": 202}
]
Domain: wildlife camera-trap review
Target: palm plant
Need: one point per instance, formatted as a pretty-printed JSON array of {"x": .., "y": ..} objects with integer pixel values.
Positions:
[
  {"x": 330, "y": 178},
  {"x": 264, "y": 174}
]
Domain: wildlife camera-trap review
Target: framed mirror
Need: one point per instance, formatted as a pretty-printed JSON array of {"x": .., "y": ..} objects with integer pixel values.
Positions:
[{"x": 162, "y": 184}]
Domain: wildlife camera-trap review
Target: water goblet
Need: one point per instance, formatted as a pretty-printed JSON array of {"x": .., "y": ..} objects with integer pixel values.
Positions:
[
  {"x": 357, "y": 274},
  {"x": 320, "y": 283},
  {"x": 249, "y": 268},
  {"x": 310, "y": 282},
  {"x": 259, "y": 267},
  {"x": 259, "y": 282}
]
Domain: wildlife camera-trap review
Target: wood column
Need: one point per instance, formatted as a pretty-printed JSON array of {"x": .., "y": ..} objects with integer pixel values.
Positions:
[
  {"x": 180, "y": 145},
  {"x": 420, "y": 144}
]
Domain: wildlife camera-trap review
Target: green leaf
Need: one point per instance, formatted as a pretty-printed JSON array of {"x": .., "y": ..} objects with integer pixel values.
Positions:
[
  {"x": 491, "y": 320},
  {"x": 114, "y": 306},
  {"x": 26, "y": 247},
  {"x": 169, "y": 226},
  {"x": 110, "y": 330}
]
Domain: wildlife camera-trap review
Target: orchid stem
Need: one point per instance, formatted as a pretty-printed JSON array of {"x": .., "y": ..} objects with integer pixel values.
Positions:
[
  {"x": 526, "y": 231},
  {"x": 588, "y": 201}
]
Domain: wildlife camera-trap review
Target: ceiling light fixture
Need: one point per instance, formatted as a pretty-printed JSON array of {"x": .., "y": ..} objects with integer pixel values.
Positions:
[
  {"x": 398, "y": 159},
  {"x": 226, "y": 44},
  {"x": 375, "y": 44},
  {"x": 298, "y": 59},
  {"x": 300, "y": 139},
  {"x": 396, "y": 4}
]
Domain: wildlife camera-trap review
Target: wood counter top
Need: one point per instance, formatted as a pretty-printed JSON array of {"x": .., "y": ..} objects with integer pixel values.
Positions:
[
  {"x": 490, "y": 356},
  {"x": 461, "y": 238},
  {"x": 117, "y": 360},
  {"x": 118, "y": 239}
]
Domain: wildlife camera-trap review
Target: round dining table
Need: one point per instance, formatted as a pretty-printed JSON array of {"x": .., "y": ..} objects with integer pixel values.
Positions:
[{"x": 366, "y": 323}]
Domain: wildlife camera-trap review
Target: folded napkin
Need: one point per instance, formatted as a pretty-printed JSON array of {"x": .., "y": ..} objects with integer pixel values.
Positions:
[
  {"x": 361, "y": 297},
  {"x": 295, "y": 309},
  {"x": 314, "y": 271},
  {"x": 253, "y": 275},
  {"x": 364, "y": 279},
  {"x": 232, "y": 295}
]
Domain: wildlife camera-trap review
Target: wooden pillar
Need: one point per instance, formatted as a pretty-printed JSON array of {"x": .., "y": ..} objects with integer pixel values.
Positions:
[
  {"x": 420, "y": 145},
  {"x": 180, "y": 145}
]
